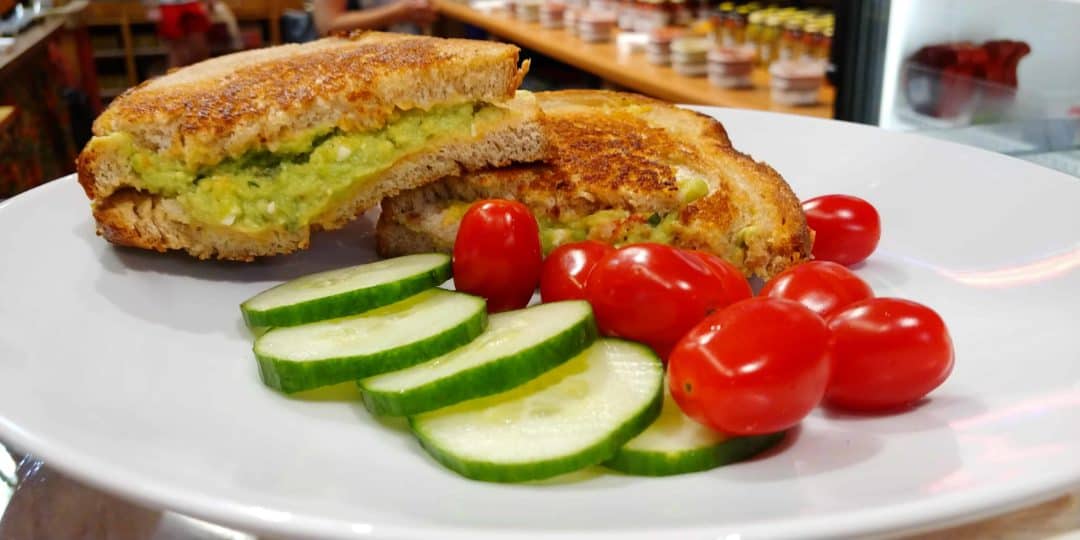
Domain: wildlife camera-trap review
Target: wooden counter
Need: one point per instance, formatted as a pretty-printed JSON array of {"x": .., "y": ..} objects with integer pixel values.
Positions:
[{"x": 631, "y": 71}]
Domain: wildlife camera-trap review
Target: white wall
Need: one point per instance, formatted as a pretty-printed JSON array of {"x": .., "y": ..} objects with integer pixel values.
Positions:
[{"x": 1049, "y": 77}]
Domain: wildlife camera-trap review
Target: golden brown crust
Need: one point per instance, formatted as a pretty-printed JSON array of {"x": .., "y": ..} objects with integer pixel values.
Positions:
[
  {"x": 85, "y": 172},
  {"x": 132, "y": 218},
  {"x": 622, "y": 151},
  {"x": 227, "y": 105}
]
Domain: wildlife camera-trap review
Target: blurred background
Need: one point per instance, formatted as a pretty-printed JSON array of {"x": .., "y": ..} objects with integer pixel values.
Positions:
[{"x": 999, "y": 74}]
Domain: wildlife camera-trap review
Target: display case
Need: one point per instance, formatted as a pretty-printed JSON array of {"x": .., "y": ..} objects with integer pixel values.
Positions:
[
  {"x": 127, "y": 49},
  {"x": 999, "y": 74}
]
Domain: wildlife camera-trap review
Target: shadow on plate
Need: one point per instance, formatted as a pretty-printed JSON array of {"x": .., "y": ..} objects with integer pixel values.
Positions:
[
  {"x": 928, "y": 414},
  {"x": 180, "y": 292},
  {"x": 884, "y": 273},
  {"x": 344, "y": 392},
  {"x": 348, "y": 246},
  {"x": 576, "y": 477},
  {"x": 807, "y": 452}
]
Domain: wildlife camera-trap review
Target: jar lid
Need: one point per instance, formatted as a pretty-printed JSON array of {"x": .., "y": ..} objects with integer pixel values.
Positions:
[
  {"x": 797, "y": 69},
  {"x": 597, "y": 18},
  {"x": 731, "y": 55},
  {"x": 665, "y": 34},
  {"x": 690, "y": 44}
]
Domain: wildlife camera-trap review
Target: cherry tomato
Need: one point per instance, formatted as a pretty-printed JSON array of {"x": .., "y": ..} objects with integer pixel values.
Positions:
[
  {"x": 734, "y": 284},
  {"x": 653, "y": 293},
  {"x": 847, "y": 229},
  {"x": 497, "y": 254},
  {"x": 886, "y": 353},
  {"x": 824, "y": 287},
  {"x": 567, "y": 267},
  {"x": 756, "y": 367}
]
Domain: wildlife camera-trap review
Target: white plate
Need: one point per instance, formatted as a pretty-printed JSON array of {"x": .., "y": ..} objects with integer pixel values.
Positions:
[{"x": 133, "y": 371}]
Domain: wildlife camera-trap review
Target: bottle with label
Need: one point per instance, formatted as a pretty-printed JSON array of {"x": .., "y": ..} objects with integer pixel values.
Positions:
[
  {"x": 738, "y": 25},
  {"x": 755, "y": 24},
  {"x": 791, "y": 46},
  {"x": 824, "y": 46},
  {"x": 811, "y": 37},
  {"x": 770, "y": 39},
  {"x": 718, "y": 20},
  {"x": 679, "y": 13}
]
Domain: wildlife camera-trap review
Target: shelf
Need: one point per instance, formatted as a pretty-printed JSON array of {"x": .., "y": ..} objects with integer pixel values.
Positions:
[
  {"x": 109, "y": 93},
  {"x": 151, "y": 51},
  {"x": 629, "y": 70},
  {"x": 109, "y": 53},
  {"x": 7, "y": 116},
  {"x": 140, "y": 52},
  {"x": 127, "y": 35}
]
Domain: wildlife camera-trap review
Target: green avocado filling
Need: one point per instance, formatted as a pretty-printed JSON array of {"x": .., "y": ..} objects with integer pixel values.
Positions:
[
  {"x": 293, "y": 184},
  {"x": 617, "y": 226}
]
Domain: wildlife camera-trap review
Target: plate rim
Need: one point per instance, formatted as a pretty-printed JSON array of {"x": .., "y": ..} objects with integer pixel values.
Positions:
[{"x": 891, "y": 520}]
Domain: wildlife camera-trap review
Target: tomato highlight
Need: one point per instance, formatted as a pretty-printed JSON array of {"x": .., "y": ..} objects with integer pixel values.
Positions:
[
  {"x": 886, "y": 353},
  {"x": 756, "y": 367},
  {"x": 567, "y": 268},
  {"x": 824, "y": 287},
  {"x": 654, "y": 294}
]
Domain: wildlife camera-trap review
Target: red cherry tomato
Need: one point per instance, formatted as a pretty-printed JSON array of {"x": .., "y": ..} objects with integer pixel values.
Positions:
[
  {"x": 497, "y": 254},
  {"x": 567, "y": 267},
  {"x": 732, "y": 281},
  {"x": 886, "y": 353},
  {"x": 756, "y": 367},
  {"x": 847, "y": 229},
  {"x": 653, "y": 293},
  {"x": 824, "y": 287}
]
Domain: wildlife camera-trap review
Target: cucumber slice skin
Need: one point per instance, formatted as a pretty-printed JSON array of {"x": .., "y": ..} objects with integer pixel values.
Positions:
[
  {"x": 538, "y": 470},
  {"x": 290, "y": 376},
  {"x": 652, "y": 463},
  {"x": 491, "y": 378},
  {"x": 347, "y": 303}
]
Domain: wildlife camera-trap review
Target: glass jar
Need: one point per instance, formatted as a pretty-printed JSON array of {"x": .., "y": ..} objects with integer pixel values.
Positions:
[
  {"x": 791, "y": 46},
  {"x": 738, "y": 25},
  {"x": 822, "y": 51},
  {"x": 755, "y": 24},
  {"x": 770, "y": 39},
  {"x": 811, "y": 36},
  {"x": 679, "y": 13}
]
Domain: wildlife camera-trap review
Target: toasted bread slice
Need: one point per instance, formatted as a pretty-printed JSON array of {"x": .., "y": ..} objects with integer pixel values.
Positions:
[
  {"x": 624, "y": 168},
  {"x": 244, "y": 155}
]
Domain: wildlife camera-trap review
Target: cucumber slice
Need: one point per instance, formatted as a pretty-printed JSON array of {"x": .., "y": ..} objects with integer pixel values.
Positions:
[
  {"x": 576, "y": 415},
  {"x": 346, "y": 291},
  {"x": 516, "y": 347},
  {"x": 397, "y": 336},
  {"x": 676, "y": 444}
]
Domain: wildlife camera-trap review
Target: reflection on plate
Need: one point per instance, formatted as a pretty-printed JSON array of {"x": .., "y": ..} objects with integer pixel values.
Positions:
[{"x": 133, "y": 371}]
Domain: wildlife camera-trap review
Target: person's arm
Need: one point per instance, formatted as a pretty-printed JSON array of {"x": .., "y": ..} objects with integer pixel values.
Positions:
[{"x": 331, "y": 16}]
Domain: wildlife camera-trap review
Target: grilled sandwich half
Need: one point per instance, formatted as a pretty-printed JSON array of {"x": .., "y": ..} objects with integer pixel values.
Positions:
[
  {"x": 244, "y": 155},
  {"x": 624, "y": 169}
]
